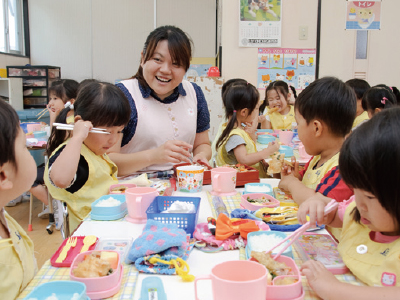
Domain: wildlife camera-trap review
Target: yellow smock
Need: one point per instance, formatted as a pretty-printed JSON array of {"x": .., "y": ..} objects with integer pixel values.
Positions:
[
  {"x": 223, "y": 158},
  {"x": 360, "y": 119},
  {"x": 312, "y": 178},
  {"x": 376, "y": 264},
  {"x": 102, "y": 174},
  {"x": 279, "y": 121},
  {"x": 17, "y": 260}
]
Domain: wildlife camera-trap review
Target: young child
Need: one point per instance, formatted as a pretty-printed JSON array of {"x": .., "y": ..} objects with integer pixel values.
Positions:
[
  {"x": 370, "y": 240},
  {"x": 280, "y": 114},
  {"x": 359, "y": 86},
  {"x": 60, "y": 93},
  {"x": 17, "y": 172},
  {"x": 235, "y": 145},
  {"x": 325, "y": 113},
  {"x": 377, "y": 98},
  {"x": 222, "y": 125},
  {"x": 79, "y": 170}
]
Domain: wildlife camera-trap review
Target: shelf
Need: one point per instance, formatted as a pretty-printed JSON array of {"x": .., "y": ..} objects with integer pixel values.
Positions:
[{"x": 30, "y": 96}]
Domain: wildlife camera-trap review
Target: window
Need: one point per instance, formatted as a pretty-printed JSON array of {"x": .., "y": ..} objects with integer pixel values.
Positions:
[{"x": 12, "y": 35}]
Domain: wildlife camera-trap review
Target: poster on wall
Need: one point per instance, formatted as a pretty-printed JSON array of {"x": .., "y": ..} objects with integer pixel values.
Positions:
[
  {"x": 260, "y": 23},
  {"x": 363, "y": 15},
  {"x": 294, "y": 66}
]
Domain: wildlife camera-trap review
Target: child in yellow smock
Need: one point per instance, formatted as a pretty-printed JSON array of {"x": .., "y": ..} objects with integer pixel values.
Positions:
[
  {"x": 359, "y": 86},
  {"x": 17, "y": 173},
  {"x": 79, "y": 171},
  {"x": 370, "y": 220},
  {"x": 280, "y": 114},
  {"x": 235, "y": 145}
]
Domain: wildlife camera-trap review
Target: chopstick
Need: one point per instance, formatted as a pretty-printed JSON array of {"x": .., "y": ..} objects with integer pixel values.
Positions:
[
  {"x": 328, "y": 208},
  {"x": 62, "y": 126},
  {"x": 42, "y": 113}
]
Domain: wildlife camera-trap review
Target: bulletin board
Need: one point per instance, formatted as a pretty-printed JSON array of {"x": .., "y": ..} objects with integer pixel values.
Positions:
[{"x": 294, "y": 66}]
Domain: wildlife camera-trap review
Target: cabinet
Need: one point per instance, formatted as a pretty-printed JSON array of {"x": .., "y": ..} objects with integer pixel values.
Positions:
[
  {"x": 11, "y": 92},
  {"x": 35, "y": 83}
]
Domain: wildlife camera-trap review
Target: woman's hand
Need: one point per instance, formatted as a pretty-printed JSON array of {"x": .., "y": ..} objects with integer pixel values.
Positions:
[
  {"x": 173, "y": 151},
  {"x": 319, "y": 278},
  {"x": 201, "y": 159}
]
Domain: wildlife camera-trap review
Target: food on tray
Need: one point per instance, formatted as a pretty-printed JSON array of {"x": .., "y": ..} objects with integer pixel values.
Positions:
[
  {"x": 285, "y": 280},
  {"x": 263, "y": 242},
  {"x": 259, "y": 201},
  {"x": 275, "y": 268},
  {"x": 239, "y": 167},
  {"x": 109, "y": 202},
  {"x": 272, "y": 110},
  {"x": 120, "y": 189},
  {"x": 281, "y": 215},
  {"x": 96, "y": 264}
]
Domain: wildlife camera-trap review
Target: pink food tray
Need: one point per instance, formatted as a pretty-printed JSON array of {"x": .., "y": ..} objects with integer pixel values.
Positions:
[
  {"x": 250, "y": 206},
  {"x": 323, "y": 248},
  {"x": 72, "y": 253}
]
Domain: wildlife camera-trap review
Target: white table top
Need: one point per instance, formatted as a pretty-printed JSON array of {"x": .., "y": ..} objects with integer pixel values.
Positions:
[{"x": 200, "y": 263}]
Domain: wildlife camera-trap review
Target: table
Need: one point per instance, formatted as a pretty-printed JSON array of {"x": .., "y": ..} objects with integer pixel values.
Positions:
[{"x": 200, "y": 262}]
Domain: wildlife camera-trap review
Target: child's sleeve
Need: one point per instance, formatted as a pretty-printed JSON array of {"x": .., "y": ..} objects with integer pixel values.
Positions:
[
  {"x": 302, "y": 172},
  {"x": 333, "y": 186},
  {"x": 234, "y": 141}
]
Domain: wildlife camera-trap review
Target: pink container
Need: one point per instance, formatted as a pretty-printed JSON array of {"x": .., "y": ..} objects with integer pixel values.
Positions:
[
  {"x": 34, "y": 127},
  {"x": 237, "y": 280},
  {"x": 286, "y": 137},
  {"x": 250, "y": 206},
  {"x": 223, "y": 180},
  {"x": 118, "y": 188},
  {"x": 292, "y": 291},
  {"x": 302, "y": 152},
  {"x": 99, "y": 287},
  {"x": 138, "y": 200}
]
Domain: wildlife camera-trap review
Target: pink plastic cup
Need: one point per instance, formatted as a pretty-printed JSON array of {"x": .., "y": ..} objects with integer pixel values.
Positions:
[
  {"x": 302, "y": 152},
  {"x": 237, "y": 280},
  {"x": 34, "y": 127},
  {"x": 138, "y": 200},
  {"x": 286, "y": 137},
  {"x": 223, "y": 180}
]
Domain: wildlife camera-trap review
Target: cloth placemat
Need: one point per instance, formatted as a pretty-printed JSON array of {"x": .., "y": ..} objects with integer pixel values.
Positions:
[
  {"x": 49, "y": 273},
  {"x": 231, "y": 203},
  {"x": 309, "y": 293}
]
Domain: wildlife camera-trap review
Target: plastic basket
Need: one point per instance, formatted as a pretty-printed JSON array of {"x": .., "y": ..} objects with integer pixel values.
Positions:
[{"x": 185, "y": 221}]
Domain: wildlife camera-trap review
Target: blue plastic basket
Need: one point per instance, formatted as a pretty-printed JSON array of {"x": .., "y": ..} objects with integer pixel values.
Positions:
[{"x": 186, "y": 222}]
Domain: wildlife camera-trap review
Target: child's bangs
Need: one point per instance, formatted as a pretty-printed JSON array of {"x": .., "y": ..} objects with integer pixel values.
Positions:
[{"x": 58, "y": 91}]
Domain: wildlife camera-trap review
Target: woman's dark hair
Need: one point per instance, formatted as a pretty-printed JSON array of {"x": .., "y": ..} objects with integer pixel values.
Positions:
[
  {"x": 65, "y": 89},
  {"x": 236, "y": 98},
  {"x": 179, "y": 46},
  {"x": 101, "y": 103},
  {"x": 9, "y": 124},
  {"x": 370, "y": 160},
  {"x": 280, "y": 87},
  {"x": 379, "y": 96},
  {"x": 359, "y": 86},
  {"x": 331, "y": 101}
]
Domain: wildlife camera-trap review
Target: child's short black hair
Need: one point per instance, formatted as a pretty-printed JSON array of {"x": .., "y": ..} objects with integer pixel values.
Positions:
[
  {"x": 370, "y": 160},
  {"x": 331, "y": 101},
  {"x": 64, "y": 89},
  {"x": 359, "y": 86},
  {"x": 9, "y": 124},
  {"x": 230, "y": 82},
  {"x": 379, "y": 96}
]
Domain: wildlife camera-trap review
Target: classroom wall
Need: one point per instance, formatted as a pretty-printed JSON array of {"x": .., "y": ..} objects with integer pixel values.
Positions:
[
  {"x": 103, "y": 39},
  {"x": 338, "y": 46},
  {"x": 11, "y": 60}
]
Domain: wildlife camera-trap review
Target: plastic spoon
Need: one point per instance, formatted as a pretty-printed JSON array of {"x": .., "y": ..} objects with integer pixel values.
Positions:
[{"x": 88, "y": 241}]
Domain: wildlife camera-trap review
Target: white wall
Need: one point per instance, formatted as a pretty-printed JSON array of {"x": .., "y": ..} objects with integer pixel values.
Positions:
[
  {"x": 10, "y": 60},
  {"x": 103, "y": 39}
]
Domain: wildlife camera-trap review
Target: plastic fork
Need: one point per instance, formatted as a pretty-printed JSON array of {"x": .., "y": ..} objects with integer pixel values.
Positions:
[
  {"x": 71, "y": 242},
  {"x": 331, "y": 206}
]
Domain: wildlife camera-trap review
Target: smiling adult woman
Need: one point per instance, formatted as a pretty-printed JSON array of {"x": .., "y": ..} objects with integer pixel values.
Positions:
[{"x": 170, "y": 117}]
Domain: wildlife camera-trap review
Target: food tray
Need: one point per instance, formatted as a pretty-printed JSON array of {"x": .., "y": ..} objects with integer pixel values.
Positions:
[
  {"x": 323, "y": 248},
  {"x": 121, "y": 245},
  {"x": 63, "y": 290},
  {"x": 185, "y": 221},
  {"x": 250, "y": 206},
  {"x": 99, "y": 287},
  {"x": 285, "y": 198},
  {"x": 292, "y": 291},
  {"x": 288, "y": 252},
  {"x": 264, "y": 188},
  {"x": 251, "y": 175},
  {"x": 72, "y": 253},
  {"x": 109, "y": 213}
]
